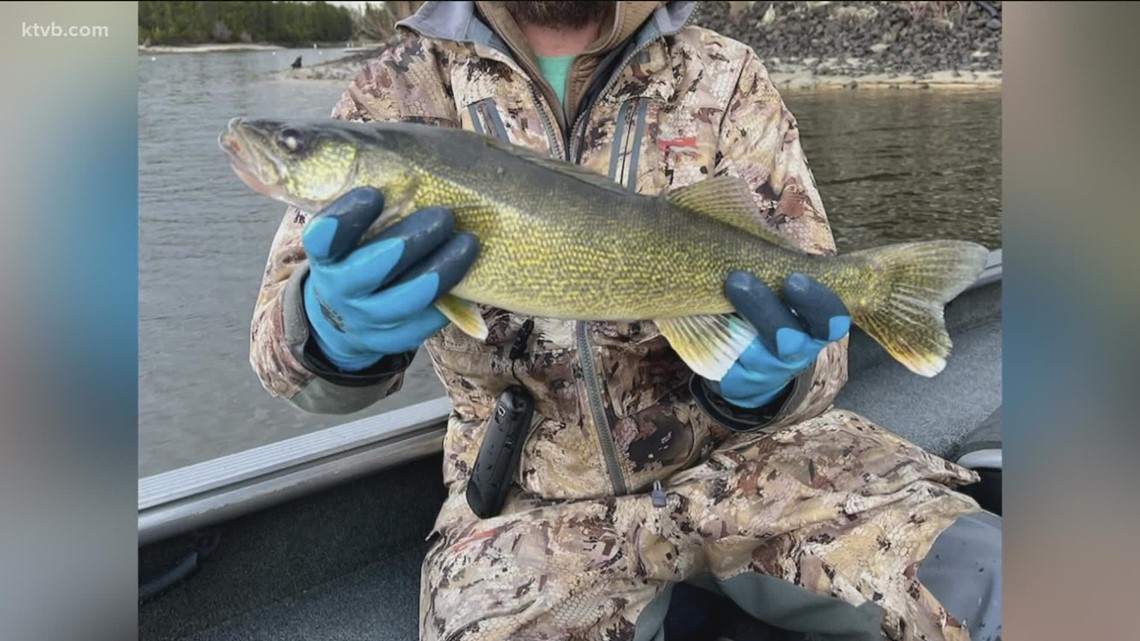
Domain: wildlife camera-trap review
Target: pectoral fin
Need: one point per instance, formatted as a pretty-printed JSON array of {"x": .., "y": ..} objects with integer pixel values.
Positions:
[
  {"x": 709, "y": 345},
  {"x": 464, "y": 314},
  {"x": 398, "y": 204}
]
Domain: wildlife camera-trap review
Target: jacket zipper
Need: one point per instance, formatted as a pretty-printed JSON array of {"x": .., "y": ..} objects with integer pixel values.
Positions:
[
  {"x": 602, "y": 426},
  {"x": 568, "y": 150},
  {"x": 585, "y": 348},
  {"x": 586, "y": 355},
  {"x": 613, "y": 79},
  {"x": 585, "y": 351},
  {"x": 555, "y": 145},
  {"x": 598, "y": 410}
]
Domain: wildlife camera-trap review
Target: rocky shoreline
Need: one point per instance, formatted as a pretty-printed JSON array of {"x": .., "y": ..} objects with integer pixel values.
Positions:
[
  {"x": 901, "y": 37},
  {"x": 840, "y": 45},
  {"x": 869, "y": 44}
]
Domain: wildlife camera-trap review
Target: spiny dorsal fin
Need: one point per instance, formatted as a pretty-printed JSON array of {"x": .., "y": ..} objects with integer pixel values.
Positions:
[{"x": 729, "y": 200}]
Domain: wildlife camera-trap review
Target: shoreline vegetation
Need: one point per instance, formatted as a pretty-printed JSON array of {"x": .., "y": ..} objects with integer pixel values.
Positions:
[
  {"x": 946, "y": 45},
  {"x": 244, "y": 23}
]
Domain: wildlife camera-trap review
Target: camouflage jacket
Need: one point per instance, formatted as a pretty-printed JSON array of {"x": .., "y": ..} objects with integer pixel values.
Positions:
[{"x": 616, "y": 410}]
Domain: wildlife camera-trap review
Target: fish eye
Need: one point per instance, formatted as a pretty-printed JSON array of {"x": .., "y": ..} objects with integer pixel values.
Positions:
[{"x": 290, "y": 139}]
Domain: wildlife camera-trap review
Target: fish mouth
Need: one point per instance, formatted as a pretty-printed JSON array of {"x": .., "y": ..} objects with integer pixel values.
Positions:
[{"x": 244, "y": 154}]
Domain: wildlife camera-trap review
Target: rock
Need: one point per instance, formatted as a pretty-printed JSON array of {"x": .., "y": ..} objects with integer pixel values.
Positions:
[
  {"x": 884, "y": 34},
  {"x": 993, "y": 24},
  {"x": 769, "y": 15}
]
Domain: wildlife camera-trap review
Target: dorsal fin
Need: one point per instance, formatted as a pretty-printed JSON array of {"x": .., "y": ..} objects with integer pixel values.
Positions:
[{"x": 727, "y": 199}]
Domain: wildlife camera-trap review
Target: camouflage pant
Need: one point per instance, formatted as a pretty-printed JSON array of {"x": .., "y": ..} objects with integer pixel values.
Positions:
[{"x": 836, "y": 506}]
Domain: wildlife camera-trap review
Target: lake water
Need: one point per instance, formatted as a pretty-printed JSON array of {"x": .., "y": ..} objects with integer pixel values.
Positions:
[{"x": 891, "y": 165}]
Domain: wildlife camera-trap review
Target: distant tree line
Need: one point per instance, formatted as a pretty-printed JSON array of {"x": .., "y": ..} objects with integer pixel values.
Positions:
[{"x": 284, "y": 23}]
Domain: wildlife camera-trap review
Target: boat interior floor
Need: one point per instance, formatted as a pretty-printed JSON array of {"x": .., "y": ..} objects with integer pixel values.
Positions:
[{"x": 344, "y": 565}]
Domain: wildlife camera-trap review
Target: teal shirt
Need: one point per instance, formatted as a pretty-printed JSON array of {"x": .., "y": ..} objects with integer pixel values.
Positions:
[{"x": 556, "y": 69}]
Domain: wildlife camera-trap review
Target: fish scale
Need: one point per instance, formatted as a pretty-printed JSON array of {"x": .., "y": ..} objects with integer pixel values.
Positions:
[
  {"x": 562, "y": 255},
  {"x": 557, "y": 241}
]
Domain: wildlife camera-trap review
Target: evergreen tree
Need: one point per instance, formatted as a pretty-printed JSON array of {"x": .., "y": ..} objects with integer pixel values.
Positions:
[{"x": 285, "y": 23}]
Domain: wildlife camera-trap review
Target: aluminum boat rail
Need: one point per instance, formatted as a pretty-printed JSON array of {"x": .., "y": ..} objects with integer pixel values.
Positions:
[{"x": 210, "y": 492}]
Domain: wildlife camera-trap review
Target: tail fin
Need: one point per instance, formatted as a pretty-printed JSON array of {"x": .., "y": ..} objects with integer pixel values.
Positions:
[{"x": 915, "y": 281}]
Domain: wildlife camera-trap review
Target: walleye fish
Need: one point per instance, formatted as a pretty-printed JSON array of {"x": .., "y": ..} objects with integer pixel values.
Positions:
[{"x": 559, "y": 241}]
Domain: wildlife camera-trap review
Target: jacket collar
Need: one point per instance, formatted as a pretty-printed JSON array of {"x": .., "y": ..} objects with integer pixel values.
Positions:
[
  {"x": 462, "y": 22},
  {"x": 459, "y": 22}
]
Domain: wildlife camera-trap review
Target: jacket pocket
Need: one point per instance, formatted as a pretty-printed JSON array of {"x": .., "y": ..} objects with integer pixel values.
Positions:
[
  {"x": 562, "y": 461},
  {"x": 663, "y": 440}
]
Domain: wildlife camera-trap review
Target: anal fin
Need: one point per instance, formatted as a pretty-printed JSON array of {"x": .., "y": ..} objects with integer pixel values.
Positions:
[
  {"x": 464, "y": 314},
  {"x": 709, "y": 345}
]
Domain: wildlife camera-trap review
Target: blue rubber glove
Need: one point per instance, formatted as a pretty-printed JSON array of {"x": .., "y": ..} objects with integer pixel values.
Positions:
[
  {"x": 365, "y": 303},
  {"x": 790, "y": 335}
]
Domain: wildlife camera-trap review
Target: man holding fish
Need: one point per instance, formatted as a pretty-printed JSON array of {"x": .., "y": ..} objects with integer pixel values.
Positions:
[{"x": 664, "y": 454}]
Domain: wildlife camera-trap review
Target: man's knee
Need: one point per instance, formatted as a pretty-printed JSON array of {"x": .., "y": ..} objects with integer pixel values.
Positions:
[{"x": 963, "y": 571}]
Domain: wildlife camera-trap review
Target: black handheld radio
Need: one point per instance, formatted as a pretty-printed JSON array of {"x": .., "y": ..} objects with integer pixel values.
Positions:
[
  {"x": 498, "y": 457},
  {"x": 499, "y": 454}
]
